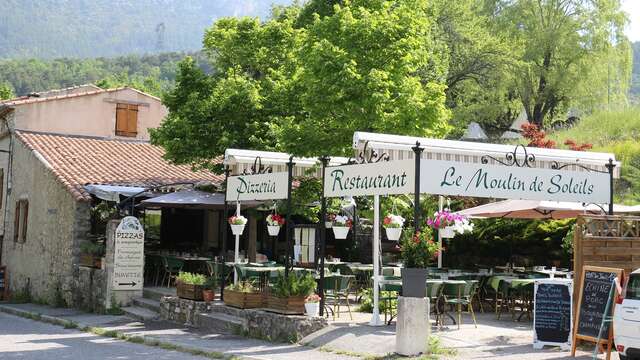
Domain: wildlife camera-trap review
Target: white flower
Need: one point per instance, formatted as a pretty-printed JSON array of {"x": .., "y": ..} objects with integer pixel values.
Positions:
[{"x": 341, "y": 220}]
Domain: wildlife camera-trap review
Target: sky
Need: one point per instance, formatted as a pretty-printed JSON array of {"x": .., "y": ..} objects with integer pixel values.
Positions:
[{"x": 632, "y": 7}]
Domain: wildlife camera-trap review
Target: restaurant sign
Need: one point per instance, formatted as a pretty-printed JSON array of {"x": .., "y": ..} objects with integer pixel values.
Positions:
[
  {"x": 503, "y": 182},
  {"x": 269, "y": 186},
  {"x": 128, "y": 261},
  {"x": 382, "y": 178}
]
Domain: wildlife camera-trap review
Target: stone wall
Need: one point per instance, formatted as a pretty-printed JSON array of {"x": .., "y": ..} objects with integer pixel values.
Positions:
[
  {"x": 254, "y": 323},
  {"x": 90, "y": 290},
  {"x": 45, "y": 265}
]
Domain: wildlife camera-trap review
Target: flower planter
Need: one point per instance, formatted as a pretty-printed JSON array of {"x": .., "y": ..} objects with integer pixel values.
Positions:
[
  {"x": 393, "y": 233},
  {"x": 447, "y": 232},
  {"x": 292, "y": 305},
  {"x": 243, "y": 300},
  {"x": 189, "y": 291},
  {"x": 208, "y": 295},
  {"x": 237, "y": 229},
  {"x": 340, "y": 232},
  {"x": 312, "y": 309},
  {"x": 89, "y": 260},
  {"x": 414, "y": 282},
  {"x": 274, "y": 230}
]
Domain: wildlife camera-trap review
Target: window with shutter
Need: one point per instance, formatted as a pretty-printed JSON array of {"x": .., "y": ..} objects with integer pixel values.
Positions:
[
  {"x": 126, "y": 120},
  {"x": 25, "y": 219},
  {"x": 16, "y": 222},
  {"x": 1, "y": 187}
]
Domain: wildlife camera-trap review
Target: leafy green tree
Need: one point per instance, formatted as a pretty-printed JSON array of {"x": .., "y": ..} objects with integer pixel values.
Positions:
[
  {"x": 306, "y": 86},
  {"x": 6, "y": 91},
  {"x": 558, "y": 44}
]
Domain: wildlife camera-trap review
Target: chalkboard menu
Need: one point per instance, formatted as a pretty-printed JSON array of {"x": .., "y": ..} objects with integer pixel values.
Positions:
[
  {"x": 596, "y": 288},
  {"x": 552, "y": 316}
]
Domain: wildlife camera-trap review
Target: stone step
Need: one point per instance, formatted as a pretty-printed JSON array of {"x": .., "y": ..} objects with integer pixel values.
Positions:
[
  {"x": 220, "y": 307},
  {"x": 219, "y": 322},
  {"x": 140, "y": 313},
  {"x": 153, "y": 305},
  {"x": 156, "y": 293}
]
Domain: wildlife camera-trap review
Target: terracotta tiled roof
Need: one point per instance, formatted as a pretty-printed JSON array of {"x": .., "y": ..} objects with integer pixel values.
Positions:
[
  {"x": 78, "y": 161},
  {"x": 50, "y": 96}
]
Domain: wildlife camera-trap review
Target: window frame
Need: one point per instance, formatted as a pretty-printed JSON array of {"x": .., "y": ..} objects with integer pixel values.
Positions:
[{"x": 21, "y": 221}]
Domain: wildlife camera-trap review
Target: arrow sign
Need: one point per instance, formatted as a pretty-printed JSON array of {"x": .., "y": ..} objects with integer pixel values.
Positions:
[{"x": 133, "y": 283}]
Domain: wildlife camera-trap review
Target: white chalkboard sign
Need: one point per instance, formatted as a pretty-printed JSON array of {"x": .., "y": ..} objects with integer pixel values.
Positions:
[{"x": 553, "y": 313}]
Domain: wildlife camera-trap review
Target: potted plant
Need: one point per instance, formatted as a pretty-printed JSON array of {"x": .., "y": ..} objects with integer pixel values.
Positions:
[
  {"x": 274, "y": 222},
  {"x": 237, "y": 223},
  {"x": 328, "y": 222},
  {"x": 312, "y": 305},
  {"x": 341, "y": 226},
  {"x": 289, "y": 293},
  {"x": 190, "y": 285},
  {"x": 449, "y": 223},
  {"x": 243, "y": 295},
  {"x": 393, "y": 226},
  {"x": 208, "y": 293},
  {"x": 91, "y": 254},
  {"x": 418, "y": 252}
]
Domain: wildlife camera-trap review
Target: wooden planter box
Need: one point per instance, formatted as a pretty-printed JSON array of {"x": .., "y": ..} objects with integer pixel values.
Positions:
[
  {"x": 293, "y": 305},
  {"x": 188, "y": 291},
  {"x": 90, "y": 261},
  {"x": 243, "y": 300}
]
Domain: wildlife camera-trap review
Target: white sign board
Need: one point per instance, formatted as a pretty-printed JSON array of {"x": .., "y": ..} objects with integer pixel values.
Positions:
[
  {"x": 382, "y": 178},
  {"x": 270, "y": 186},
  {"x": 128, "y": 262},
  {"x": 505, "y": 182},
  {"x": 553, "y": 313}
]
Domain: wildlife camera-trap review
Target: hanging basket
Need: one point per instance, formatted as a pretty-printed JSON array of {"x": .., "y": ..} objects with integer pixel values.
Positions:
[
  {"x": 237, "y": 229},
  {"x": 274, "y": 230},
  {"x": 328, "y": 224},
  {"x": 393, "y": 233},
  {"x": 447, "y": 232},
  {"x": 340, "y": 232}
]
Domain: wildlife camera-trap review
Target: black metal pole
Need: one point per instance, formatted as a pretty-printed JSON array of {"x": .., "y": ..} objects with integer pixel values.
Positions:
[
  {"x": 610, "y": 167},
  {"x": 223, "y": 226},
  {"x": 288, "y": 261},
  {"x": 323, "y": 236},
  {"x": 416, "y": 201}
]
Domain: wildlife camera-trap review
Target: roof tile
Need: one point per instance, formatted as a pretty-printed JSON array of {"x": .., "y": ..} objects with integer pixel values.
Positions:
[{"x": 78, "y": 161}]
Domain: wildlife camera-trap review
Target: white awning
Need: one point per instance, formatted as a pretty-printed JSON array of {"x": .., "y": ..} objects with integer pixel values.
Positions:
[
  {"x": 113, "y": 192},
  {"x": 400, "y": 147},
  {"x": 240, "y": 160}
]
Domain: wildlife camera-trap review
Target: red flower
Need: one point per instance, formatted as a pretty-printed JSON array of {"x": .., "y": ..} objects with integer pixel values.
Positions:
[{"x": 387, "y": 220}]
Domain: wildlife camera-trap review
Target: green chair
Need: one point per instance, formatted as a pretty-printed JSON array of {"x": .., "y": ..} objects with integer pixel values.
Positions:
[
  {"x": 172, "y": 267},
  {"x": 458, "y": 295},
  {"x": 392, "y": 291},
  {"x": 434, "y": 293},
  {"x": 337, "y": 287}
]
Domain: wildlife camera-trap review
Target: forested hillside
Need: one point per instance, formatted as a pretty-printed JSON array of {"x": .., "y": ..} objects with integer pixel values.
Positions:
[{"x": 81, "y": 28}]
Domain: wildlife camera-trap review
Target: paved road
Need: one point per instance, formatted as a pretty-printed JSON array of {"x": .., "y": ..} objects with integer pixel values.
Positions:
[{"x": 24, "y": 339}]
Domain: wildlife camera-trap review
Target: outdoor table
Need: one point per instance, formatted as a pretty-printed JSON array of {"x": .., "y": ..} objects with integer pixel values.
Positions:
[
  {"x": 262, "y": 272},
  {"x": 552, "y": 273},
  {"x": 517, "y": 286},
  {"x": 194, "y": 263}
]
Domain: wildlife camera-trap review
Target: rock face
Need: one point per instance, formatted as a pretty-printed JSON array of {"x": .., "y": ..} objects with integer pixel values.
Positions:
[{"x": 255, "y": 323}]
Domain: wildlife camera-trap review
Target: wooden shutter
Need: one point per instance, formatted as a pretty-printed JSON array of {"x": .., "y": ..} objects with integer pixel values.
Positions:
[
  {"x": 132, "y": 120},
  {"x": 25, "y": 219},
  {"x": 16, "y": 222},
  {"x": 1, "y": 187},
  {"x": 121, "y": 119}
]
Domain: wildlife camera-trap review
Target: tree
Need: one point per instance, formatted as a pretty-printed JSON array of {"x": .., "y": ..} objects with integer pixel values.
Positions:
[
  {"x": 6, "y": 91},
  {"x": 304, "y": 86},
  {"x": 559, "y": 43}
]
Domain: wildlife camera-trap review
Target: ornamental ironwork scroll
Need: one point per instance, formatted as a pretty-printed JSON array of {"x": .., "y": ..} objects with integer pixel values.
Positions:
[
  {"x": 513, "y": 158},
  {"x": 258, "y": 168},
  {"x": 372, "y": 157}
]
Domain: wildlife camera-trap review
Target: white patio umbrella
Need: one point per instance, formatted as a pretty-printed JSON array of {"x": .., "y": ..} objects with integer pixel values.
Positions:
[{"x": 538, "y": 209}]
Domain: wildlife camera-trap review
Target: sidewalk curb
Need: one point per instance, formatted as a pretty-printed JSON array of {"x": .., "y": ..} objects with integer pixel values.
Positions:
[{"x": 136, "y": 339}]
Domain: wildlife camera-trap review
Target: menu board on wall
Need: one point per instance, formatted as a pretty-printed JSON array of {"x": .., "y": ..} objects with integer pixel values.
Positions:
[{"x": 553, "y": 313}]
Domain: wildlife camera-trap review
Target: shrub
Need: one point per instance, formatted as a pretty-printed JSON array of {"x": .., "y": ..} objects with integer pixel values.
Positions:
[
  {"x": 294, "y": 285},
  {"x": 191, "y": 278}
]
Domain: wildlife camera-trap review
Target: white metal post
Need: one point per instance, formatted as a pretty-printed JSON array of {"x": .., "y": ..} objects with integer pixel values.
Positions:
[
  {"x": 375, "y": 318},
  {"x": 236, "y": 259},
  {"x": 440, "y": 206}
]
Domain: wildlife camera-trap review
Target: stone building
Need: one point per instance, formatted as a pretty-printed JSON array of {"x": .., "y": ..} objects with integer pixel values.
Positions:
[{"x": 51, "y": 146}]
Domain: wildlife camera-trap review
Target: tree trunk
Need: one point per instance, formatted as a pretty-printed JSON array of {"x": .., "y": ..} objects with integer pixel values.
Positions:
[{"x": 539, "y": 109}]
